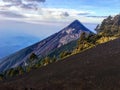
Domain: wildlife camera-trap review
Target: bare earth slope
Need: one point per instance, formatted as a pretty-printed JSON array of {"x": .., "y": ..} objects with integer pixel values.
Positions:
[{"x": 95, "y": 69}]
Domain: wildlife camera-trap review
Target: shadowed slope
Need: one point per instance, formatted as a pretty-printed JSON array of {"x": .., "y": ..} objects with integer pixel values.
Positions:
[{"x": 95, "y": 69}]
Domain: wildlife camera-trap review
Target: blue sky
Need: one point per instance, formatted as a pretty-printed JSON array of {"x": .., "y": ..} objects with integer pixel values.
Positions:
[
  {"x": 24, "y": 22},
  {"x": 98, "y": 7}
]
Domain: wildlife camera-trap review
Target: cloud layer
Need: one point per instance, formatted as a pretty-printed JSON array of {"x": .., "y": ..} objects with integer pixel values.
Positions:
[
  {"x": 11, "y": 14},
  {"x": 30, "y": 11},
  {"x": 28, "y": 4}
]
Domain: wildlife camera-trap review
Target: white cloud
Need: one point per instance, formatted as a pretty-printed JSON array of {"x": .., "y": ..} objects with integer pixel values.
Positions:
[{"x": 33, "y": 13}]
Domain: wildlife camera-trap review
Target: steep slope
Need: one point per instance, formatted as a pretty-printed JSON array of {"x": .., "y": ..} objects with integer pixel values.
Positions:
[
  {"x": 95, "y": 69},
  {"x": 68, "y": 48},
  {"x": 42, "y": 48}
]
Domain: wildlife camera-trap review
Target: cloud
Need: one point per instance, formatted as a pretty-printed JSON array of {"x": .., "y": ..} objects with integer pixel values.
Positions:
[
  {"x": 98, "y": 16},
  {"x": 13, "y": 2},
  {"x": 26, "y": 4},
  {"x": 21, "y": 1},
  {"x": 36, "y": 15},
  {"x": 84, "y": 13},
  {"x": 11, "y": 14},
  {"x": 30, "y": 11},
  {"x": 65, "y": 14},
  {"x": 29, "y": 6},
  {"x": 35, "y": 0}
]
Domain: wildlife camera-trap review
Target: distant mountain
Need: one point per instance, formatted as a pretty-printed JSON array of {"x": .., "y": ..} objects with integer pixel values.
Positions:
[
  {"x": 70, "y": 33},
  {"x": 15, "y": 43}
]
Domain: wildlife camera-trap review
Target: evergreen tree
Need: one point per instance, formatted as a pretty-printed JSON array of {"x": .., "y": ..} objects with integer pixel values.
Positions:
[
  {"x": 33, "y": 56},
  {"x": 1, "y": 77},
  {"x": 20, "y": 70}
]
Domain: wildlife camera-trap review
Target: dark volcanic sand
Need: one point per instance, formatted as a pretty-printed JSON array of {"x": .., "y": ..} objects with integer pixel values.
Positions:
[{"x": 95, "y": 69}]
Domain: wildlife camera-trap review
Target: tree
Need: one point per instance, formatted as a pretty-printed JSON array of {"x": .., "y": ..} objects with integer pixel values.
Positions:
[
  {"x": 64, "y": 54},
  {"x": 1, "y": 77},
  {"x": 46, "y": 61},
  {"x": 97, "y": 28},
  {"x": 11, "y": 72},
  {"x": 81, "y": 42},
  {"x": 33, "y": 56},
  {"x": 54, "y": 59},
  {"x": 82, "y": 37},
  {"x": 32, "y": 59},
  {"x": 20, "y": 70},
  {"x": 28, "y": 69}
]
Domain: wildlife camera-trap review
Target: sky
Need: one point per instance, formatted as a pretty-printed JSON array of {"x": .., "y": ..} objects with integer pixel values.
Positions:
[{"x": 24, "y": 22}]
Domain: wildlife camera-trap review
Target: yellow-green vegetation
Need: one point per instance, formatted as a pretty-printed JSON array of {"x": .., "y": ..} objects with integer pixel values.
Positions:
[
  {"x": 46, "y": 61},
  {"x": 105, "y": 39},
  {"x": 85, "y": 43},
  {"x": 64, "y": 54},
  {"x": 12, "y": 73}
]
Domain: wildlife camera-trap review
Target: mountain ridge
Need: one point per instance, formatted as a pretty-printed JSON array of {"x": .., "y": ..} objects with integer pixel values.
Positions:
[{"x": 42, "y": 48}]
